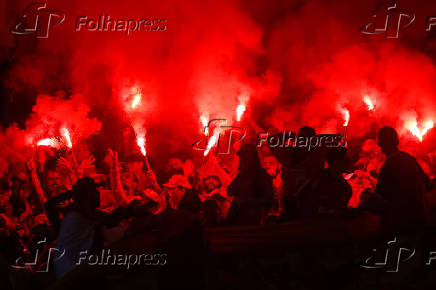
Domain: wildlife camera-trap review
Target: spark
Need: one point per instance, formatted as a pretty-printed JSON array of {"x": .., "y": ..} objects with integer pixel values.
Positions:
[
  {"x": 240, "y": 111},
  {"x": 66, "y": 134},
  {"x": 346, "y": 116},
  {"x": 204, "y": 121},
  {"x": 46, "y": 142},
  {"x": 212, "y": 142},
  {"x": 369, "y": 103},
  {"x": 136, "y": 101},
  {"x": 140, "y": 140},
  {"x": 412, "y": 126}
]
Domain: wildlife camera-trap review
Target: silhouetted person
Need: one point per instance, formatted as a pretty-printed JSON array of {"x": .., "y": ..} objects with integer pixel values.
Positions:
[
  {"x": 327, "y": 192},
  {"x": 79, "y": 230},
  {"x": 305, "y": 163},
  {"x": 186, "y": 243},
  {"x": 400, "y": 188},
  {"x": 301, "y": 153},
  {"x": 252, "y": 189}
]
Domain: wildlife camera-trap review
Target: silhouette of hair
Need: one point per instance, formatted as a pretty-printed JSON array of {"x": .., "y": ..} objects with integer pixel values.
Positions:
[
  {"x": 388, "y": 135},
  {"x": 306, "y": 131},
  {"x": 190, "y": 202}
]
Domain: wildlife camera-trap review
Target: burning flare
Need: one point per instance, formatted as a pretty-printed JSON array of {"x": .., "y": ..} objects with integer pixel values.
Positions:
[
  {"x": 240, "y": 109},
  {"x": 66, "y": 134},
  {"x": 412, "y": 126},
  {"x": 204, "y": 122},
  {"x": 136, "y": 101},
  {"x": 140, "y": 140},
  {"x": 346, "y": 116},
  {"x": 369, "y": 103},
  {"x": 47, "y": 142},
  {"x": 133, "y": 98},
  {"x": 239, "y": 112},
  {"x": 212, "y": 141}
]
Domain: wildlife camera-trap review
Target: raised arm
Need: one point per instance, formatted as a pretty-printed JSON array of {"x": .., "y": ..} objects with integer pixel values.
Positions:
[
  {"x": 116, "y": 185},
  {"x": 36, "y": 184}
]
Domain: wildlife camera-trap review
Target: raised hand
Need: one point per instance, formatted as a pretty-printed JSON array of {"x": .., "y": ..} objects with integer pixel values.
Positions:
[{"x": 65, "y": 164}]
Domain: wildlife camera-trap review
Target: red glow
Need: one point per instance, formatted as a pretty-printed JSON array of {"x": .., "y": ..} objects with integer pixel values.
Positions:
[
  {"x": 132, "y": 98},
  {"x": 212, "y": 142},
  {"x": 345, "y": 116},
  {"x": 140, "y": 140},
  {"x": 242, "y": 106},
  {"x": 239, "y": 112},
  {"x": 46, "y": 142},
  {"x": 412, "y": 126},
  {"x": 369, "y": 103},
  {"x": 136, "y": 101},
  {"x": 204, "y": 122},
  {"x": 66, "y": 134}
]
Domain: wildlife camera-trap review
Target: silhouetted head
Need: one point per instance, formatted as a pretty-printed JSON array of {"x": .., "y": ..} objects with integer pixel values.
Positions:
[
  {"x": 306, "y": 131},
  {"x": 85, "y": 195},
  {"x": 388, "y": 140},
  {"x": 190, "y": 202}
]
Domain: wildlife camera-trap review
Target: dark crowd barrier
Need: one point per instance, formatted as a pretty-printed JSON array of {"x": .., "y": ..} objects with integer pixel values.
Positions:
[{"x": 236, "y": 240}]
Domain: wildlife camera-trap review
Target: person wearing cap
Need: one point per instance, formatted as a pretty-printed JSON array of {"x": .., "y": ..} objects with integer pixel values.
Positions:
[
  {"x": 175, "y": 189},
  {"x": 79, "y": 230}
]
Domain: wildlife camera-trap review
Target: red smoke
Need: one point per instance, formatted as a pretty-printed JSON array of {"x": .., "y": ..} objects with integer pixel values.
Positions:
[{"x": 292, "y": 64}]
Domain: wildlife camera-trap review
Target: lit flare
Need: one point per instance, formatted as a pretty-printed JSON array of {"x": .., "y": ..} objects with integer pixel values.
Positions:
[
  {"x": 140, "y": 140},
  {"x": 212, "y": 142},
  {"x": 369, "y": 103},
  {"x": 46, "y": 142},
  {"x": 419, "y": 133},
  {"x": 204, "y": 122},
  {"x": 67, "y": 137},
  {"x": 136, "y": 100},
  {"x": 346, "y": 116},
  {"x": 240, "y": 111}
]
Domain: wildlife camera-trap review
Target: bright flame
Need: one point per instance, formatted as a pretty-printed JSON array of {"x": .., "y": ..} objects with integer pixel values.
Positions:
[
  {"x": 46, "y": 142},
  {"x": 204, "y": 122},
  {"x": 136, "y": 101},
  {"x": 212, "y": 142},
  {"x": 239, "y": 112},
  {"x": 140, "y": 140},
  {"x": 369, "y": 103},
  {"x": 412, "y": 126},
  {"x": 66, "y": 134},
  {"x": 346, "y": 116}
]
